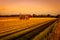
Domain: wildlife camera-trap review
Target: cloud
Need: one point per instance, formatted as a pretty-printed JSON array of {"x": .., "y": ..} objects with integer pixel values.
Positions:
[{"x": 29, "y": 6}]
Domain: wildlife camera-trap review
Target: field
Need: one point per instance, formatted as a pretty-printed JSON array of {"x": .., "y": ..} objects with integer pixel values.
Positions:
[
  {"x": 56, "y": 33},
  {"x": 8, "y": 25}
]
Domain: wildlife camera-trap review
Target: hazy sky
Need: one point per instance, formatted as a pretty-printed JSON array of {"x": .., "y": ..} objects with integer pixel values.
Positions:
[{"x": 29, "y": 7}]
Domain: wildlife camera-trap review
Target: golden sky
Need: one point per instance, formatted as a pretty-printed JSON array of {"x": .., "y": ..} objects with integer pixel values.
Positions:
[{"x": 29, "y": 7}]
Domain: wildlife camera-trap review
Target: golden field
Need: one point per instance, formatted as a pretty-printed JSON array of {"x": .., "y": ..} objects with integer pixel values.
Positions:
[{"x": 12, "y": 24}]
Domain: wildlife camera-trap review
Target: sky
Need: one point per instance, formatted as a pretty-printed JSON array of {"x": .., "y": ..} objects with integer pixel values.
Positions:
[{"x": 9, "y": 7}]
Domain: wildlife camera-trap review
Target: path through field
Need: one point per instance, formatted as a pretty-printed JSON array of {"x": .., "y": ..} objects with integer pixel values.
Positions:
[{"x": 10, "y": 28}]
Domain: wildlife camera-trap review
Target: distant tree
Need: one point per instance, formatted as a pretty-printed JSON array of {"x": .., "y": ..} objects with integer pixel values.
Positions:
[
  {"x": 34, "y": 15},
  {"x": 41, "y": 15},
  {"x": 58, "y": 16},
  {"x": 48, "y": 15}
]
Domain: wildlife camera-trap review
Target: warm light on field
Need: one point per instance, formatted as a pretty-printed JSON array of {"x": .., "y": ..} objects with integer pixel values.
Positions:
[{"x": 17, "y": 24}]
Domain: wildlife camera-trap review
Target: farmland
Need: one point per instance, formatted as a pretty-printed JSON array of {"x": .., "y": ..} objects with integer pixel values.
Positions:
[{"x": 12, "y": 24}]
